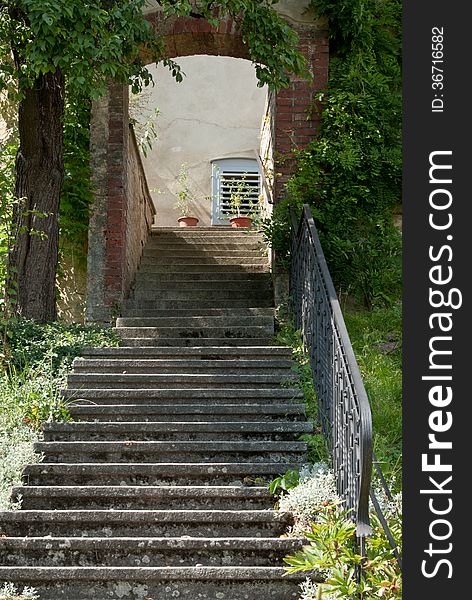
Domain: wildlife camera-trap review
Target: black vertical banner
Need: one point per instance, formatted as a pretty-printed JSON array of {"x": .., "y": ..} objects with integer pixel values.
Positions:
[{"x": 437, "y": 310}]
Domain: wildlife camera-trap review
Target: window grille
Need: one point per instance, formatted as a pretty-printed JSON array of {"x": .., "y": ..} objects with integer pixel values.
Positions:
[{"x": 236, "y": 187}]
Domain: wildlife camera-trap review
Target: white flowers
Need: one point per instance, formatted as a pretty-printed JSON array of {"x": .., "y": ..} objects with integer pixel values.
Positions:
[
  {"x": 317, "y": 485},
  {"x": 16, "y": 451},
  {"x": 9, "y": 592}
]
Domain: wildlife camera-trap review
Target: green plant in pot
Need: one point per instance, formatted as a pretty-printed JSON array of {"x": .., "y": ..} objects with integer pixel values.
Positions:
[
  {"x": 185, "y": 197},
  {"x": 240, "y": 200}
]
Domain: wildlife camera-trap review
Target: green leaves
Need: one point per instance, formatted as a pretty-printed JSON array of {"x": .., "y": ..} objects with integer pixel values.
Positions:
[
  {"x": 285, "y": 482},
  {"x": 333, "y": 550},
  {"x": 351, "y": 174}
]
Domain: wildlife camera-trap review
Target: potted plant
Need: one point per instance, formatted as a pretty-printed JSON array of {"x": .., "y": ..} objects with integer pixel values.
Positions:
[
  {"x": 238, "y": 198},
  {"x": 184, "y": 198}
]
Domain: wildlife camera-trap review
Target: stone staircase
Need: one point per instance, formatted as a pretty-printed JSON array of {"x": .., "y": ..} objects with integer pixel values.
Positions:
[{"x": 158, "y": 489}]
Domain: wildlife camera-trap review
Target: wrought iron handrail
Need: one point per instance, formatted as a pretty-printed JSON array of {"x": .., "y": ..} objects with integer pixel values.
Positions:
[{"x": 343, "y": 404}]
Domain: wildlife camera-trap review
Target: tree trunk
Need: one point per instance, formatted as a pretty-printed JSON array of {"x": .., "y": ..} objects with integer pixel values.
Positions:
[{"x": 39, "y": 178}]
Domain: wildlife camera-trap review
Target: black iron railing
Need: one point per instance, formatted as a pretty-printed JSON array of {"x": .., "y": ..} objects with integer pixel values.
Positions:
[{"x": 344, "y": 408}]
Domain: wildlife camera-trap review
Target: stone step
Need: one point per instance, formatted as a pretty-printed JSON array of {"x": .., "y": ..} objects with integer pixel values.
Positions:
[
  {"x": 190, "y": 342},
  {"x": 176, "y": 430},
  {"x": 144, "y": 523},
  {"x": 207, "y": 312},
  {"x": 154, "y": 474},
  {"x": 167, "y": 366},
  {"x": 215, "y": 276},
  {"x": 179, "y": 380},
  {"x": 143, "y": 497},
  {"x": 188, "y": 266},
  {"x": 83, "y": 410},
  {"x": 146, "y": 285},
  {"x": 195, "y": 305},
  {"x": 202, "y": 251},
  {"x": 145, "y": 551},
  {"x": 189, "y": 258},
  {"x": 212, "y": 292},
  {"x": 159, "y": 583},
  {"x": 223, "y": 230},
  {"x": 173, "y": 451},
  {"x": 199, "y": 321},
  {"x": 202, "y": 352},
  {"x": 197, "y": 331},
  {"x": 204, "y": 238},
  {"x": 180, "y": 396}
]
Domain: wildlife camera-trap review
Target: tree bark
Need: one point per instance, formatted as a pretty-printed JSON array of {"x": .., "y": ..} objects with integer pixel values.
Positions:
[{"x": 39, "y": 178}]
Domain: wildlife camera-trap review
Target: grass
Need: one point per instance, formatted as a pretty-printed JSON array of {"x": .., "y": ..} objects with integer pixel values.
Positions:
[{"x": 376, "y": 337}]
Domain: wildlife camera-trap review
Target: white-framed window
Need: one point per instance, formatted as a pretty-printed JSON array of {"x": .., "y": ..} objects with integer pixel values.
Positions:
[{"x": 234, "y": 177}]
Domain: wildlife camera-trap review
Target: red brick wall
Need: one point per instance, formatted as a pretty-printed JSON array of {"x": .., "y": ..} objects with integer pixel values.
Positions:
[{"x": 295, "y": 121}]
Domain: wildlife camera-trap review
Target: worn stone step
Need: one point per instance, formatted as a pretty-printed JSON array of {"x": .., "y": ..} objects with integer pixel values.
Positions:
[
  {"x": 145, "y": 286},
  {"x": 202, "y": 352},
  {"x": 265, "y": 312},
  {"x": 167, "y": 366},
  {"x": 175, "y": 430},
  {"x": 144, "y": 523},
  {"x": 210, "y": 259},
  {"x": 198, "y": 321},
  {"x": 178, "y": 366},
  {"x": 182, "y": 396},
  {"x": 145, "y": 551},
  {"x": 221, "y": 497},
  {"x": 191, "y": 342},
  {"x": 212, "y": 292},
  {"x": 208, "y": 241},
  {"x": 197, "y": 331},
  {"x": 85, "y": 411},
  {"x": 201, "y": 312},
  {"x": 171, "y": 451},
  {"x": 201, "y": 251},
  {"x": 179, "y": 380},
  {"x": 217, "y": 277},
  {"x": 159, "y": 583},
  {"x": 214, "y": 230},
  {"x": 154, "y": 474},
  {"x": 188, "y": 266},
  {"x": 204, "y": 238},
  {"x": 197, "y": 305}
]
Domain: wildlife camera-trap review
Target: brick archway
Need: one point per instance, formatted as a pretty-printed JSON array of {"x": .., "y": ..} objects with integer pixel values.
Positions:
[{"x": 118, "y": 228}]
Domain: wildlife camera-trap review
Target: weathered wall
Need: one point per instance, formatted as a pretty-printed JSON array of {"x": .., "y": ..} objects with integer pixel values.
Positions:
[
  {"x": 71, "y": 284},
  {"x": 115, "y": 231},
  {"x": 215, "y": 112},
  {"x": 140, "y": 212}
]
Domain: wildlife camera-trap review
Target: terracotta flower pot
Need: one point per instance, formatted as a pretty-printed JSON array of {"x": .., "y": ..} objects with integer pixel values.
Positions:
[
  {"x": 241, "y": 222},
  {"x": 187, "y": 221}
]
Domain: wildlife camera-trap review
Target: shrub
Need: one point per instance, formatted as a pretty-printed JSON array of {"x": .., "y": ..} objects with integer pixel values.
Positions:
[
  {"x": 36, "y": 362},
  {"x": 333, "y": 549},
  {"x": 30, "y": 343}
]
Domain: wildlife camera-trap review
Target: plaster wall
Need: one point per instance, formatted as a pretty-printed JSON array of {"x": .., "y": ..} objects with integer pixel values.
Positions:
[{"x": 216, "y": 112}]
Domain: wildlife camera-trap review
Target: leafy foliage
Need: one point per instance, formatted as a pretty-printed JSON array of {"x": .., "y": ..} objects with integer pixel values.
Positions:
[
  {"x": 37, "y": 359},
  {"x": 76, "y": 195},
  {"x": 89, "y": 42},
  {"x": 285, "y": 482},
  {"x": 333, "y": 550},
  {"x": 351, "y": 173},
  {"x": 31, "y": 343}
]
